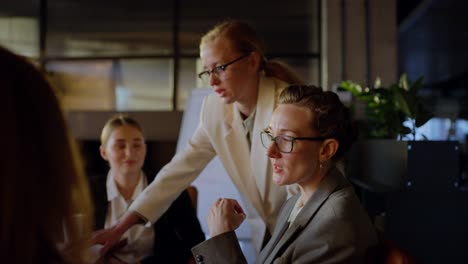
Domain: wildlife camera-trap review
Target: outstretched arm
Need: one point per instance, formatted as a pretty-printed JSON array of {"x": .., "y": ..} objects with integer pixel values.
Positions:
[{"x": 111, "y": 237}]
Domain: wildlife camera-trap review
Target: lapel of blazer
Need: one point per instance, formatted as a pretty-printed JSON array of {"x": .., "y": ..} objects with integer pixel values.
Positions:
[
  {"x": 240, "y": 156},
  {"x": 280, "y": 228},
  {"x": 258, "y": 160},
  {"x": 329, "y": 184}
]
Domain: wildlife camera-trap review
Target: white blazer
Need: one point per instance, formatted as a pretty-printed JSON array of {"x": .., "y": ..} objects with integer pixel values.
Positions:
[{"x": 220, "y": 132}]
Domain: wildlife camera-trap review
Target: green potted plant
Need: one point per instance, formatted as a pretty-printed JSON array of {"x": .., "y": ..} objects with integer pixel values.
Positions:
[
  {"x": 401, "y": 182},
  {"x": 379, "y": 161},
  {"x": 390, "y": 109}
]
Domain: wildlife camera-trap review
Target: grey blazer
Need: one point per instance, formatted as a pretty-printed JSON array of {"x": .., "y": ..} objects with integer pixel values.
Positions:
[{"x": 332, "y": 227}]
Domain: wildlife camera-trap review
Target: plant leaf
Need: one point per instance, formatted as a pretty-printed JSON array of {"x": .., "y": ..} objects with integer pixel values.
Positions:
[
  {"x": 401, "y": 103},
  {"x": 422, "y": 117},
  {"x": 350, "y": 86},
  {"x": 404, "y": 130},
  {"x": 403, "y": 82},
  {"x": 414, "y": 88},
  {"x": 377, "y": 83}
]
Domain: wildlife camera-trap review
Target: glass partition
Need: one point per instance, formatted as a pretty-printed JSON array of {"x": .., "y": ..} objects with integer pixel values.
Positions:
[
  {"x": 19, "y": 26},
  {"x": 122, "y": 85},
  {"x": 108, "y": 28},
  {"x": 143, "y": 54}
]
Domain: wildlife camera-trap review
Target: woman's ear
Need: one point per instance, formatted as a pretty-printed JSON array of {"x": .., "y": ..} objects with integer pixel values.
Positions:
[
  {"x": 103, "y": 153},
  {"x": 328, "y": 149},
  {"x": 255, "y": 60}
]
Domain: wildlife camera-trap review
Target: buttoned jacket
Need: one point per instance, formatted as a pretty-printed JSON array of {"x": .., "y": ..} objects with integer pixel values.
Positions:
[{"x": 332, "y": 227}]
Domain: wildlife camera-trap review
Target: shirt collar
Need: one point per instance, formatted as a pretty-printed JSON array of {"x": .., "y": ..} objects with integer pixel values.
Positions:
[
  {"x": 113, "y": 191},
  {"x": 249, "y": 121}
]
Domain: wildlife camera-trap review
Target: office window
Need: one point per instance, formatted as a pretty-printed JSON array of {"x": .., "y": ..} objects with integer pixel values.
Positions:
[
  {"x": 292, "y": 36},
  {"x": 122, "y": 85},
  {"x": 143, "y": 54},
  {"x": 144, "y": 85},
  {"x": 88, "y": 28},
  {"x": 188, "y": 80},
  {"x": 83, "y": 85},
  {"x": 287, "y": 28},
  {"x": 19, "y": 27}
]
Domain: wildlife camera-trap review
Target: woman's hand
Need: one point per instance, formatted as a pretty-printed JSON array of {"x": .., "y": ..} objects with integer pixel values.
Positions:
[
  {"x": 111, "y": 237},
  {"x": 108, "y": 238},
  {"x": 109, "y": 257},
  {"x": 225, "y": 215}
]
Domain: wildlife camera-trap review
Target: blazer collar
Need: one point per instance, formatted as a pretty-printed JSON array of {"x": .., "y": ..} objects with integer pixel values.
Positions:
[
  {"x": 258, "y": 160},
  {"x": 333, "y": 181},
  {"x": 256, "y": 178},
  {"x": 266, "y": 102}
]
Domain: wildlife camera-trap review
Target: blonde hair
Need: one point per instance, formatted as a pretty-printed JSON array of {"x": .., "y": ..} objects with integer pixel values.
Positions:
[
  {"x": 245, "y": 39},
  {"x": 42, "y": 183},
  {"x": 116, "y": 121}
]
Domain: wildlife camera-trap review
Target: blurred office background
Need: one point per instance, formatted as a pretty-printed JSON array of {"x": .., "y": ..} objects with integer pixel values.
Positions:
[{"x": 141, "y": 57}]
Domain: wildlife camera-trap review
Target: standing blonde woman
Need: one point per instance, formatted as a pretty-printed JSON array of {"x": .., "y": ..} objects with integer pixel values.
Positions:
[
  {"x": 42, "y": 187},
  {"x": 245, "y": 87}
]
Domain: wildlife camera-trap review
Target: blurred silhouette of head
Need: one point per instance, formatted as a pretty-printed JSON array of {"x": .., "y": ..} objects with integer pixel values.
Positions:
[{"x": 42, "y": 186}]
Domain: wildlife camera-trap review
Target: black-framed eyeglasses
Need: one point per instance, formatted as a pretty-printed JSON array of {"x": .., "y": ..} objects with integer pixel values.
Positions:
[
  {"x": 284, "y": 143},
  {"x": 219, "y": 70}
]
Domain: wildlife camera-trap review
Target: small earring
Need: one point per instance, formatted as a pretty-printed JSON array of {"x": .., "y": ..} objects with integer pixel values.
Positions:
[{"x": 321, "y": 165}]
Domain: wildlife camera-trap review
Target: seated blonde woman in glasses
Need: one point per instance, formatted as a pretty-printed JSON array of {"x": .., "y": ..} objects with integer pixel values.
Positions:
[{"x": 309, "y": 131}]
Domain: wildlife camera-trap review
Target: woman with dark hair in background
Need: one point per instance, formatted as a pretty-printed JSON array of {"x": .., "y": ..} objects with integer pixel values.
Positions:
[
  {"x": 170, "y": 239},
  {"x": 309, "y": 132}
]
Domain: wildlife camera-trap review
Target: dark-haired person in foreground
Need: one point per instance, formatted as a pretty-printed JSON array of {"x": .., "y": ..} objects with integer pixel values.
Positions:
[
  {"x": 309, "y": 131},
  {"x": 42, "y": 186}
]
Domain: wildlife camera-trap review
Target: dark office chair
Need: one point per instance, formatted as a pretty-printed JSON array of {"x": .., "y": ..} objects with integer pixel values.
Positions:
[
  {"x": 387, "y": 252},
  {"x": 395, "y": 255},
  {"x": 193, "y": 193}
]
